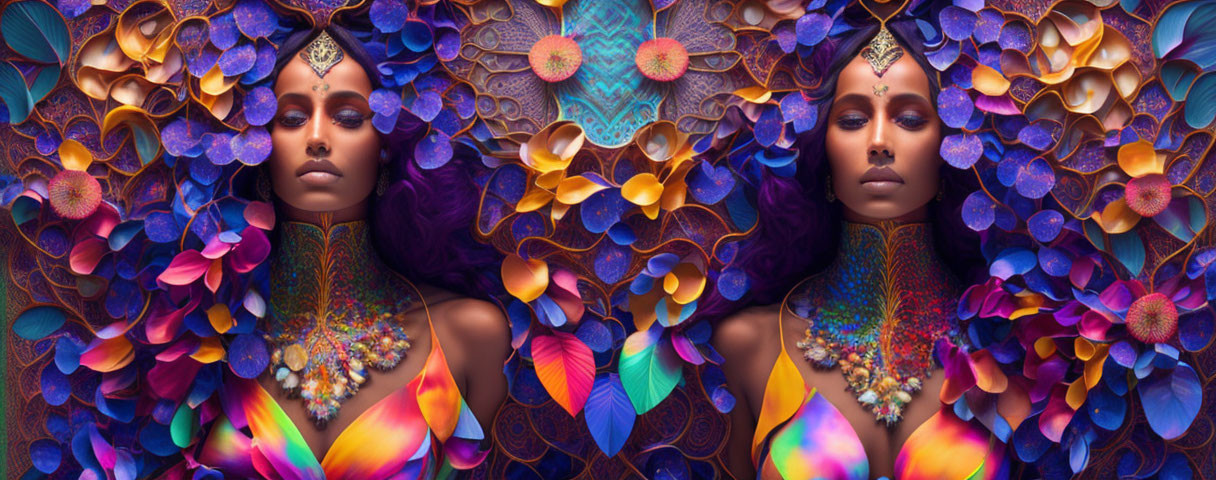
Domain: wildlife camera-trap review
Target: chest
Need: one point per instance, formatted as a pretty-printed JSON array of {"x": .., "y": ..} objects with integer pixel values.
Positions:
[
  {"x": 882, "y": 444},
  {"x": 379, "y": 385}
]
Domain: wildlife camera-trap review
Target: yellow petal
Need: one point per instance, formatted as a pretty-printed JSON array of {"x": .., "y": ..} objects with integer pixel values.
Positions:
[
  {"x": 220, "y": 317},
  {"x": 525, "y": 279},
  {"x": 219, "y": 106},
  {"x": 783, "y": 394},
  {"x": 755, "y": 94},
  {"x": 552, "y": 3},
  {"x": 1087, "y": 92},
  {"x": 1113, "y": 50},
  {"x": 1117, "y": 217},
  {"x": 140, "y": 34},
  {"x": 1044, "y": 347},
  {"x": 558, "y": 210},
  {"x": 989, "y": 81},
  {"x": 661, "y": 141},
  {"x": 1139, "y": 158},
  {"x": 214, "y": 82},
  {"x": 643, "y": 189},
  {"x": 1083, "y": 348},
  {"x": 566, "y": 140},
  {"x": 574, "y": 190},
  {"x": 131, "y": 89},
  {"x": 1093, "y": 366},
  {"x": 550, "y": 180},
  {"x": 209, "y": 351},
  {"x": 553, "y": 147},
  {"x": 533, "y": 200},
  {"x": 1076, "y": 393},
  {"x": 74, "y": 156},
  {"x": 687, "y": 285},
  {"x": 651, "y": 211}
]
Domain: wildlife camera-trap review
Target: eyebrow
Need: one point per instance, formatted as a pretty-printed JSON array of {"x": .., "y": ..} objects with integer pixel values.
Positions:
[
  {"x": 340, "y": 95},
  {"x": 903, "y": 97}
]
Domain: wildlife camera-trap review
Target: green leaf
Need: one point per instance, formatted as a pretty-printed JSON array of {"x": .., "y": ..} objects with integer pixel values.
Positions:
[
  {"x": 649, "y": 368},
  {"x": 14, "y": 93},
  {"x": 181, "y": 429},
  {"x": 38, "y": 322}
]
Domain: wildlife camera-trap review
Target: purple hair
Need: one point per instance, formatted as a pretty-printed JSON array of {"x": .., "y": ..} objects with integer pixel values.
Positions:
[
  {"x": 798, "y": 229},
  {"x": 422, "y": 225}
]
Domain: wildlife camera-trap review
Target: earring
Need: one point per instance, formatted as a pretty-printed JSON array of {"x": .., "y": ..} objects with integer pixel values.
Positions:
[
  {"x": 941, "y": 187},
  {"x": 827, "y": 189},
  {"x": 262, "y": 184},
  {"x": 381, "y": 181}
]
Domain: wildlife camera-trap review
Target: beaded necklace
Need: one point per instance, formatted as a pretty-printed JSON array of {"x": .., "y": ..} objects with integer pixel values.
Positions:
[
  {"x": 877, "y": 312},
  {"x": 335, "y": 310}
]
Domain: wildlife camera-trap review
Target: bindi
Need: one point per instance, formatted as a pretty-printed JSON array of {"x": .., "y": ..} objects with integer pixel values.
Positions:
[{"x": 880, "y": 89}]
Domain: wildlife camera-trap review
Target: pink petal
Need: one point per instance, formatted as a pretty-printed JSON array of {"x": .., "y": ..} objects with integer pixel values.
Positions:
[
  {"x": 215, "y": 275},
  {"x": 1057, "y": 415},
  {"x": 102, "y": 449},
  {"x": 252, "y": 250},
  {"x": 101, "y": 222},
  {"x": 260, "y": 214},
  {"x": 1002, "y": 105},
  {"x": 185, "y": 268},
  {"x": 686, "y": 349},
  {"x": 1094, "y": 326},
  {"x": 216, "y": 248},
  {"x": 564, "y": 292},
  {"x": 186, "y": 345},
  {"x": 86, "y": 254}
]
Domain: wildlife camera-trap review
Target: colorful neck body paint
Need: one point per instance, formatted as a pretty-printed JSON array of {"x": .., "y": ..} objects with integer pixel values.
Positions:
[
  {"x": 877, "y": 312},
  {"x": 335, "y": 309}
]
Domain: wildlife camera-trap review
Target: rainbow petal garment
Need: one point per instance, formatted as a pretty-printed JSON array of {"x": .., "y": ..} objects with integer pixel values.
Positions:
[{"x": 402, "y": 436}]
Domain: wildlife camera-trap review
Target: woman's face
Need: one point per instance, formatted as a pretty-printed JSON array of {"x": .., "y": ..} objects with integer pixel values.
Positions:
[
  {"x": 326, "y": 153},
  {"x": 882, "y": 141}
]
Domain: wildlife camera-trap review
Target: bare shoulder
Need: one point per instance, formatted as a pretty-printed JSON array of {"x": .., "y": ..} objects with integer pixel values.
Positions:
[
  {"x": 468, "y": 320},
  {"x": 745, "y": 333}
]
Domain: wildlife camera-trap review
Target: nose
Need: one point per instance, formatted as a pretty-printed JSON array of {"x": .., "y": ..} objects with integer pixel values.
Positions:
[
  {"x": 317, "y": 141},
  {"x": 880, "y": 152}
]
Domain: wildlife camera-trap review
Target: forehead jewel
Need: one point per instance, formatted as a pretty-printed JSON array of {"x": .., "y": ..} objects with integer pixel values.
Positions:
[{"x": 322, "y": 54}]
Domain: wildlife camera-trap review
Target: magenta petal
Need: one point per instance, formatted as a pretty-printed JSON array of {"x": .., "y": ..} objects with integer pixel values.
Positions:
[
  {"x": 86, "y": 254},
  {"x": 686, "y": 349},
  {"x": 251, "y": 251},
  {"x": 102, "y": 449},
  {"x": 463, "y": 454},
  {"x": 1057, "y": 415},
  {"x": 185, "y": 268},
  {"x": 1119, "y": 295},
  {"x": 564, "y": 292},
  {"x": 215, "y": 248},
  {"x": 1070, "y": 313},
  {"x": 1002, "y": 105},
  {"x": 182, "y": 347},
  {"x": 172, "y": 380},
  {"x": 1094, "y": 326}
]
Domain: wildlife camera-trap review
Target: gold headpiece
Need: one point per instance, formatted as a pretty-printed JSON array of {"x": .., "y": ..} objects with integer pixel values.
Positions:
[
  {"x": 882, "y": 51},
  {"x": 322, "y": 54}
]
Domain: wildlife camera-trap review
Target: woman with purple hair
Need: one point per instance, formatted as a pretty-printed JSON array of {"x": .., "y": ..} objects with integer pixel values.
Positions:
[
  {"x": 883, "y": 308},
  {"x": 337, "y": 309}
]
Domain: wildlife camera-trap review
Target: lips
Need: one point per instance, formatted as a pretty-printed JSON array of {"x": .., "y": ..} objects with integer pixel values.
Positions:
[
  {"x": 318, "y": 172},
  {"x": 881, "y": 174}
]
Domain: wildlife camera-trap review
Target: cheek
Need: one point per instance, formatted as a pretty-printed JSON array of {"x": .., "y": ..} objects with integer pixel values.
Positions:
[
  {"x": 357, "y": 150},
  {"x": 923, "y": 158},
  {"x": 846, "y": 154}
]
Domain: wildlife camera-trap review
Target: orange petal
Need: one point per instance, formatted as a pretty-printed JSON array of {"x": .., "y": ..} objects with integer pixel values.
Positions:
[
  {"x": 783, "y": 394},
  {"x": 220, "y": 317},
  {"x": 651, "y": 211},
  {"x": 209, "y": 351},
  {"x": 574, "y": 190},
  {"x": 1139, "y": 158},
  {"x": 1076, "y": 394},
  {"x": 989, "y": 81},
  {"x": 1093, "y": 366},
  {"x": 1045, "y": 347},
  {"x": 684, "y": 283},
  {"x": 988, "y": 375},
  {"x": 525, "y": 279},
  {"x": 140, "y": 35},
  {"x": 534, "y": 200},
  {"x": 1117, "y": 217},
  {"x": 643, "y": 189},
  {"x": 1014, "y": 405},
  {"x": 108, "y": 355},
  {"x": 642, "y": 308},
  {"x": 755, "y": 94},
  {"x": 558, "y": 210}
]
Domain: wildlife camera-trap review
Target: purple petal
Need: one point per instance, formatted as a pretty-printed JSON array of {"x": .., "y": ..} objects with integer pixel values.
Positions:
[
  {"x": 709, "y": 184},
  {"x": 979, "y": 211},
  {"x": 954, "y": 107},
  {"x": 416, "y": 36},
  {"x": 733, "y": 283},
  {"x": 1174, "y": 396},
  {"x": 434, "y": 151},
  {"x": 1045, "y": 226},
  {"x": 263, "y": 65},
  {"x": 55, "y": 388},
  {"x": 255, "y": 18},
  {"x": 1035, "y": 179},
  {"x": 180, "y": 136},
  {"x": 1041, "y": 135},
  {"x": 768, "y": 127},
  {"x": 219, "y": 148},
  {"x": 252, "y": 147},
  {"x": 447, "y": 44},
  {"x": 957, "y": 23},
  {"x": 427, "y": 105},
  {"x": 796, "y": 109},
  {"x": 812, "y": 28},
  {"x": 384, "y": 101},
  {"x": 247, "y": 356},
  {"x": 962, "y": 150},
  {"x": 388, "y": 16},
  {"x": 602, "y": 210},
  {"x": 223, "y": 31},
  {"x": 45, "y": 453},
  {"x": 238, "y": 60},
  {"x": 260, "y": 106}
]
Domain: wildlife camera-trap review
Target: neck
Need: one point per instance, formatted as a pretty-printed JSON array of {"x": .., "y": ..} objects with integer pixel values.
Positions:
[
  {"x": 354, "y": 212},
  {"x": 878, "y": 310}
]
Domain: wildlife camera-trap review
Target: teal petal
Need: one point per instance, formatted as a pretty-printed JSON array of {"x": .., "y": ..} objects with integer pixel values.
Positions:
[{"x": 36, "y": 31}]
